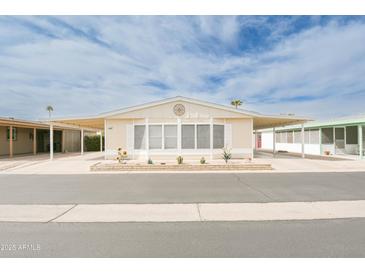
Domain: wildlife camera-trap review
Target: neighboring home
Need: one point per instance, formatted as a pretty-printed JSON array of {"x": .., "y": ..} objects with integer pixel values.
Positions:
[
  {"x": 180, "y": 126},
  {"x": 22, "y": 137},
  {"x": 344, "y": 136}
]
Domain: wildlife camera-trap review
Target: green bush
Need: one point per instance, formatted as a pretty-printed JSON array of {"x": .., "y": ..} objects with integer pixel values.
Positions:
[
  {"x": 92, "y": 143},
  {"x": 179, "y": 160}
]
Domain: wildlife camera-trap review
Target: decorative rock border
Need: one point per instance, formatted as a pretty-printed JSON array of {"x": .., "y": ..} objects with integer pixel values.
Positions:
[{"x": 174, "y": 167}]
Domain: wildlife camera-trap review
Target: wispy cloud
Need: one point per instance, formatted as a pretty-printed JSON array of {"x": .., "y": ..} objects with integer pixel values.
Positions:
[{"x": 86, "y": 64}]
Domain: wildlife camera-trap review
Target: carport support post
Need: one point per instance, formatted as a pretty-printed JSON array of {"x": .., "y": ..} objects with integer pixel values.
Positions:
[
  {"x": 360, "y": 142},
  {"x": 34, "y": 141},
  {"x": 302, "y": 140},
  {"x": 10, "y": 141},
  {"x": 82, "y": 141},
  {"x": 211, "y": 138},
  {"x": 101, "y": 141},
  {"x": 105, "y": 136},
  {"x": 51, "y": 142},
  {"x": 273, "y": 142}
]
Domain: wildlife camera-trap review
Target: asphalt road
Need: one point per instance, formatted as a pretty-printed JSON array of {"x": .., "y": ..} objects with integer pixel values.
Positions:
[
  {"x": 181, "y": 188},
  {"x": 321, "y": 238}
]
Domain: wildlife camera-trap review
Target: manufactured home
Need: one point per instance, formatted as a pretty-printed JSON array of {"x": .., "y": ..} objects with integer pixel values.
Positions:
[{"x": 180, "y": 126}]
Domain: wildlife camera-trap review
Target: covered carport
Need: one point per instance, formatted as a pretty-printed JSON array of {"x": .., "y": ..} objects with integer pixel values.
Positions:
[
  {"x": 274, "y": 121},
  {"x": 23, "y": 137},
  {"x": 83, "y": 125}
]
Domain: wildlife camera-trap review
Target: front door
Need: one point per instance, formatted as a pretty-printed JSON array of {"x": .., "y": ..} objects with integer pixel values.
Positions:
[{"x": 340, "y": 140}]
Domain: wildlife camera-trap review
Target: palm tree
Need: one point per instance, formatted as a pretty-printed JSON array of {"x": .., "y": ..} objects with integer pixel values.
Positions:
[
  {"x": 236, "y": 103},
  {"x": 49, "y": 109}
]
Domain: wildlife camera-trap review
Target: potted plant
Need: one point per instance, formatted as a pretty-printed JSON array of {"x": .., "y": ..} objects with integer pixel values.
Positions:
[
  {"x": 150, "y": 162},
  {"x": 202, "y": 161}
]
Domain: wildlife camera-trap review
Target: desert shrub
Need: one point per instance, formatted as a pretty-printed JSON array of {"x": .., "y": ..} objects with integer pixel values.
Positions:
[{"x": 180, "y": 160}]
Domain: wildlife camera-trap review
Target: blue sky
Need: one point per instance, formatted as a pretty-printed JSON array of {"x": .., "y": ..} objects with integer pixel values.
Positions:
[{"x": 313, "y": 66}]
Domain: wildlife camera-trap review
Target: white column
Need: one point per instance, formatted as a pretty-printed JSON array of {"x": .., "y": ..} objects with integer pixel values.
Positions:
[
  {"x": 105, "y": 136},
  {"x": 360, "y": 142},
  {"x": 34, "y": 141},
  {"x": 254, "y": 139},
  {"x": 273, "y": 142},
  {"x": 63, "y": 141},
  {"x": 211, "y": 138},
  {"x": 82, "y": 141},
  {"x": 101, "y": 141},
  {"x": 51, "y": 142},
  {"x": 302, "y": 140},
  {"x": 320, "y": 141},
  {"x": 147, "y": 139},
  {"x": 195, "y": 136},
  {"x": 179, "y": 135},
  {"x": 334, "y": 140}
]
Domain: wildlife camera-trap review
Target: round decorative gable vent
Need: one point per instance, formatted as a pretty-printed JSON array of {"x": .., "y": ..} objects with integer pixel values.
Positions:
[{"x": 179, "y": 109}]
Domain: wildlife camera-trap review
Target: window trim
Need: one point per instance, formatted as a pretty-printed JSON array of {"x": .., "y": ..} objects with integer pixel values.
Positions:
[{"x": 180, "y": 137}]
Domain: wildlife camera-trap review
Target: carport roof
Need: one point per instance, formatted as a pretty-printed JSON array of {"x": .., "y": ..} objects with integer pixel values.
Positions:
[
  {"x": 342, "y": 121},
  {"x": 260, "y": 121}
]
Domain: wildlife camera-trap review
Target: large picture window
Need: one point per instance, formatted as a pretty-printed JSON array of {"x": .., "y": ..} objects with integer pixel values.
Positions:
[
  {"x": 203, "y": 136},
  {"x": 170, "y": 132},
  {"x": 139, "y": 137},
  {"x": 188, "y": 136},
  {"x": 218, "y": 136},
  {"x": 155, "y": 137}
]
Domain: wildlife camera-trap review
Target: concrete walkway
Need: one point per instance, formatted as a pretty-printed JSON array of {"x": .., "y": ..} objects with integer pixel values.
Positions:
[
  {"x": 80, "y": 164},
  {"x": 182, "y": 212}
]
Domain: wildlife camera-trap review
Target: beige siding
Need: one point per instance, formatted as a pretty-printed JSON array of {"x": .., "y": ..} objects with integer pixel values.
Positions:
[
  {"x": 4, "y": 144},
  {"x": 241, "y": 132},
  {"x": 191, "y": 111},
  {"x": 116, "y": 132},
  {"x": 22, "y": 145},
  {"x": 72, "y": 141}
]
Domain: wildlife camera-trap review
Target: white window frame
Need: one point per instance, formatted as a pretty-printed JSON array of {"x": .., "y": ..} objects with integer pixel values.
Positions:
[{"x": 194, "y": 150}]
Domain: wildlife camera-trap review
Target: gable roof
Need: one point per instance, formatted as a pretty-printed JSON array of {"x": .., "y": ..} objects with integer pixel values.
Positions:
[
  {"x": 261, "y": 120},
  {"x": 179, "y": 98}
]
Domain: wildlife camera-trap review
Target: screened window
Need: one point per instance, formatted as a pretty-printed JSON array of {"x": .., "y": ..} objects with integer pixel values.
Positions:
[
  {"x": 139, "y": 137},
  {"x": 290, "y": 137},
  {"x": 283, "y": 137},
  {"x": 351, "y": 135},
  {"x": 155, "y": 136},
  {"x": 297, "y": 137},
  {"x": 188, "y": 136},
  {"x": 14, "y": 133},
  {"x": 203, "y": 136},
  {"x": 306, "y": 136},
  {"x": 218, "y": 136},
  {"x": 314, "y": 136},
  {"x": 327, "y": 135},
  {"x": 277, "y": 137},
  {"x": 170, "y": 132}
]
